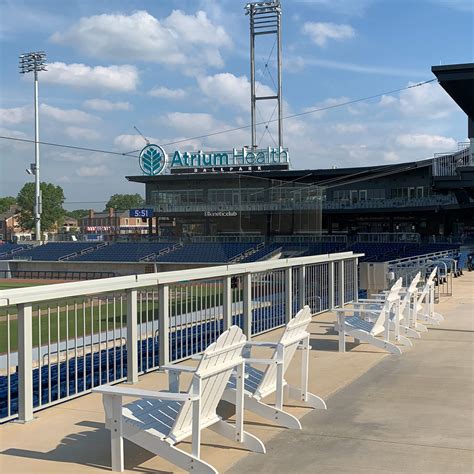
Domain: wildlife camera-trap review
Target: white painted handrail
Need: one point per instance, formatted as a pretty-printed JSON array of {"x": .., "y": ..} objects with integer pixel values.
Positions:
[{"x": 106, "y": 285}]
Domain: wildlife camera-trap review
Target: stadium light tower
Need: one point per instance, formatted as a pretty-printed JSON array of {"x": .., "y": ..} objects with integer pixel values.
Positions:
[
  {"x": 35, "y": 62},
  {"x": 265, "y": 19}
]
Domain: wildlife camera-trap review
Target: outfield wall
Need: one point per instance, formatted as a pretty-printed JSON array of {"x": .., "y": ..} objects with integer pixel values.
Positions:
[{"x": 119, "y": 268}]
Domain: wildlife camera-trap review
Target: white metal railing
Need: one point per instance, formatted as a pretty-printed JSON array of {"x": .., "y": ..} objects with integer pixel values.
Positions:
[
  {"x": 406, "y": 268},
  {"x": 446, "y": 164},
  {"x": 433, "y": 200},
  {"x": 59, "y": 341},
  {"x": 388, "y": 237},
  {"x": 238, "y": 207},
  {"x": 311, "y": 238}
]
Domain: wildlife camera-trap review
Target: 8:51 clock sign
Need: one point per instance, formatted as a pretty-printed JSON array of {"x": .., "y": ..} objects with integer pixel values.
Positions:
[{"x": 144, "y": 213}]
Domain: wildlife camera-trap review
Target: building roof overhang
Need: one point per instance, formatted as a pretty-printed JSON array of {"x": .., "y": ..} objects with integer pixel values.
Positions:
[{"x": 458, "y": 81}]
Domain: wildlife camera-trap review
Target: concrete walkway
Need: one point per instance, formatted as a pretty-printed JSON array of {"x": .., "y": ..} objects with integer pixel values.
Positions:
[{"x": 407, "y": 414}]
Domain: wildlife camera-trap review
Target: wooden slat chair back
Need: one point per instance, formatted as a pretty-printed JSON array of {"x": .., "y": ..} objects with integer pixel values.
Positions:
[
  {"x": 215, "y": 368},
  {"x": 294, "y": 332},
  {"x": 270, "y": 380},
  {"x": 352, "y": 322},
  {"x": 384, "y": 313},
  {"x": 425, "y": 302},
  {"x": 156, "y": 421}
]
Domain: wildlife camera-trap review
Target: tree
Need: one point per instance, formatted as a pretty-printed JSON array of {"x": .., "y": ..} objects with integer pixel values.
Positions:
[
  {"x": 52, "y": 214},
  {"x": 77, "y": 213},
  {"x": 125, "y": 201},
  {"x": 6, "y": 202}
]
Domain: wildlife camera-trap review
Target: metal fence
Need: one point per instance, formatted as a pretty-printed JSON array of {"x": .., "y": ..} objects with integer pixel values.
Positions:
[
  {"x": 447, "y": 164},
  {"x": 59, "y": 341},
  {"x": 446, "y": 263}
]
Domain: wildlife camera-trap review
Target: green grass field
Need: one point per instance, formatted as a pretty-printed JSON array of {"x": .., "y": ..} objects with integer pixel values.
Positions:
[
  {"x": 6, "y": 285},
  {"x": 66, "y": 319}
]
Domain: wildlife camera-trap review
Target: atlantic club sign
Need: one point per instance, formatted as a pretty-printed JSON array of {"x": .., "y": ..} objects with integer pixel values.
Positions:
[{"x": 153, "y": 160}]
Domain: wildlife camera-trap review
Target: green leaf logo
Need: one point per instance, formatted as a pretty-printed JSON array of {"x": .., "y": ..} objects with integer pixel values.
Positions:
[{"x": 152, "y": 160}]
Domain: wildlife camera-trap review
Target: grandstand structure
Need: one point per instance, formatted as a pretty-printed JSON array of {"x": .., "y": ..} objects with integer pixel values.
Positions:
[{"x": 83, "y": 260}]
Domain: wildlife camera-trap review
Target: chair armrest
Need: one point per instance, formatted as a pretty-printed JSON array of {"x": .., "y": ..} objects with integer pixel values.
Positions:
[
  {"x": 178, "y": 368},
  {"x": 367, "y": 303},
  {"x": 352, "y": 312},
  {"x": 261, "y": 344},
  {"x": 263, "y": 361},
  {"x": 139, "y": 393}
]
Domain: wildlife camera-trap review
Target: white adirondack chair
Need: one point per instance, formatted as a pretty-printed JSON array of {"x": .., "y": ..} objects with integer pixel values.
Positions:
[
  {"x": 406, "y": 326},
  {"x": 425, "y": 302},
  {"x": 351, "y": 322},
  {"x": 159, "y": 420},
  {"x": 258, "y": 384}
]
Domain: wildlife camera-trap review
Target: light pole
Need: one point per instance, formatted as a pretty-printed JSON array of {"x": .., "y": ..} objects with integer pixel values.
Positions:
[{"x": 35, "y": 62}]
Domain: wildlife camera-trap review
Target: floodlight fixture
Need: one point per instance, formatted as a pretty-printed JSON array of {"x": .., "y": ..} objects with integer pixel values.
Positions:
[{"x": 35, "y": 62}]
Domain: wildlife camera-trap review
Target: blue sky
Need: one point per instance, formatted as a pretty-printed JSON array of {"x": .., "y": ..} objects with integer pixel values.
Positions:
[{"x": 179, "y": 69}]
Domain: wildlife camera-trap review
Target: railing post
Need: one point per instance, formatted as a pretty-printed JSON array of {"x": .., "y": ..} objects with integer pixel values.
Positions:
[
  {"x": 247, "y": 302},
  {"x": 164, "y": 324},
  {"x": 25, "y": 363},
  {"x": 227, "y": 303},
  {"x": 132, "y": 337},
  {"x": 288, "y": 294},
  {"x": 341, "y": 283},
  {"x": 301, "y": 287},
  {"x": 356, "y": 279},
  {"x": 331, "y": 283}
]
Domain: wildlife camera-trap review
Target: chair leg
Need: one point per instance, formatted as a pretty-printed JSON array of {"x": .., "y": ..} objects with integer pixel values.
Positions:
[
  {"x": 251, "y": 442},
  {"x": 164, "y": 449},
  {"x": 272, "y": 413},
  {"x": 116, "y": 435},
  {"x": 312, "y": 400},
  {"x": 409, "y": 332}
]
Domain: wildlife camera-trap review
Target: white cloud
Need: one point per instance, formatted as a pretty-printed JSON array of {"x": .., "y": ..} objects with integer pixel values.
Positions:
[
  {"x": 128, "y": 142},
  {"x": 426, "y": 141},
  {"x": 16, "y": 115},
  {"x": 66, "y": 115},
  {"x": 350, "y": 128},
  {"x": 391, "y": 157},
  {"x": 296, "y": 63},
  {"x": 90, "y": 171},
  {"x": 117, "y": 78},
  {"x": 103, "y": 105},
  {"x": 178, "y": 39},
  {"x": 193, "y": 123},
  {"x": 12, "y": 133},
  {"x": 165, "y": 93},
  {"x": 196, "y": 124},
  {"x": 227, "y": 89},
  {"x": 429, "y": 101},
  {"x": 320, "y": 33},
  {"x": 345, "y": 7},
  {"x": 79, "y": 133},
  {"x": 387, "y": 100},
  {"x": 328, "y": 104}
]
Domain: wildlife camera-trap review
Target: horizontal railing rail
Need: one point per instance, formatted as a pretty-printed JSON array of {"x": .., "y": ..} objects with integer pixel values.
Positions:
[{"x": 59, "y": 341}]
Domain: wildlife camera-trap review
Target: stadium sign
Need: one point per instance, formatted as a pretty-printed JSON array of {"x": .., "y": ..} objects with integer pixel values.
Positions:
[{"x": 153, "y": 160}]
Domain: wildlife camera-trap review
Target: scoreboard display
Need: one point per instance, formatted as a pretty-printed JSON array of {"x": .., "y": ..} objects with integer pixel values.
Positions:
[{"x": 143, "y": 213}]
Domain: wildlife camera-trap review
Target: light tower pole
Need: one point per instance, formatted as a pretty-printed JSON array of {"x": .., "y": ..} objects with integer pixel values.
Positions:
[
  {"x": 35, "y": 62},
  {"x": 265, "y": 19}
]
